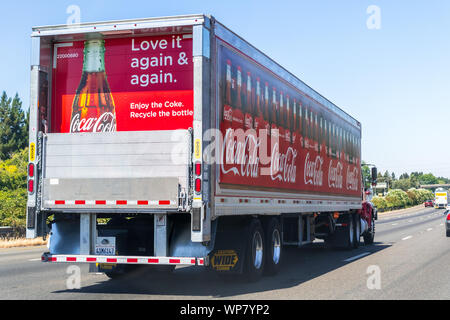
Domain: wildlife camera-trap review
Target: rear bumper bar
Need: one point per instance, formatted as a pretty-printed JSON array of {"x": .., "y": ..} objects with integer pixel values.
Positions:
[{"x": 186, "y": 261}]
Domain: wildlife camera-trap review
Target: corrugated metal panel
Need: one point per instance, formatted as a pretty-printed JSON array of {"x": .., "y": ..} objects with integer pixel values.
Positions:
[{"x": 117, "y": 166}]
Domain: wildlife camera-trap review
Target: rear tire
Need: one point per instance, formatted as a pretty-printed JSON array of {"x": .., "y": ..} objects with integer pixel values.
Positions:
[
  {"x": 255, "y": 255},
  {"x": 273, "y": 250},
  {"x": 369, "y": 235},
  {"x": 447, "y": 233},
  {"x": 357, "y": 230}
]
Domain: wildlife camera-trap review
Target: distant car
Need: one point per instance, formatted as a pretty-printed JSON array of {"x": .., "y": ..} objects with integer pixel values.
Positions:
[
  {"x": 429, "y": 203},
  {"x": 447, "y": 225},
  {"x": 447, "y": 207}
]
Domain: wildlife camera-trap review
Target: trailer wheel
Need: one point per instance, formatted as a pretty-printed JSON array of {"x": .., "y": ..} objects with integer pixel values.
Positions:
[
  {"x": 255, "y": 256},
  {"x": 273, "y": 247},
  {"x": 357, "y": 231}
]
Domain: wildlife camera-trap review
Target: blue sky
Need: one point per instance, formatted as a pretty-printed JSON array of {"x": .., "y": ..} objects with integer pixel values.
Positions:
[{"x": 394, "y": 80}]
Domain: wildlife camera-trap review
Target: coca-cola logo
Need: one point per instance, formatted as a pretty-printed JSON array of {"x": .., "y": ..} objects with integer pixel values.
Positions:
[
  {"x": 282, "y": 166},
  {"x": 241, "y": 154},
  {"x": 335, "y": 175},
  {"x": 313, "y": 171},
  {"x": 105, "y": 123},
  {"x": 352, "y": 179}
]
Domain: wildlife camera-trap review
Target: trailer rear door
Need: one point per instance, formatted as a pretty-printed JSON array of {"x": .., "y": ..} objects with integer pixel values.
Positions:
[{"x": 120, "y": 123}]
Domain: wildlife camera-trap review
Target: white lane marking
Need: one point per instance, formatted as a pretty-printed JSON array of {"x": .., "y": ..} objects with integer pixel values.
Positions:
[
  {"x": 37, "y": 259},
  {"x": 441, "y": 224},
  {"x": 429, "y": 229},
  {"x": 406, "y": 238},
  {"x": 357, "y": 257}
]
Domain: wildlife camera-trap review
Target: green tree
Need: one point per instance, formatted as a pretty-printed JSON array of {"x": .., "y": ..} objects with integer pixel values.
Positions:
[
  {"x": 13, "y": 126},
  {"x": 403, "y": 184},
  {"x": 366, "y": 175}
]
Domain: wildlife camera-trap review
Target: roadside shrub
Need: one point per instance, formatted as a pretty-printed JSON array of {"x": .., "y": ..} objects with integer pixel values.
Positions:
[
  {"x": 13, "y": 209},
  {"x": 13, "y": 172},
  {"x": 380, "y": 203},
  {"x": 397, "y": 199}
]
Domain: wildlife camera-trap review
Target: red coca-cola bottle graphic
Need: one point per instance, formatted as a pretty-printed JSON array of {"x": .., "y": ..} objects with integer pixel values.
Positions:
[
  {"x": 274, "y": 115},
  {"x": 306, "y": 126},
  {"x": 259, "y": 122},
  {"x": 267, "y": 107},
  {"x": 93, "y": 107},
  {"x": 294, "y": 124},
  {"x": 238, "y": 115},
  {"x": 316, "y": 131},
  {"x": 288, "y": 122},
  {"x": 248, "y": 119},
  {"x": 301, "y": 125},
  {"x": 227, "y": 107},
  {"x": 322, "y": 144},
  {"x": 281, "y": 122}
]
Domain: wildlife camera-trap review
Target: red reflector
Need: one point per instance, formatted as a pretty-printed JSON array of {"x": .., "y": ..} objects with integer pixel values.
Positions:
[
  {"x": 71, "y": 259},
  {"x": 100, "y": 201},
  {"x": 91, "y": 259},
  {"x": 143, "y": 202},
  {"x": 111, "y": 260},
  {"x": 132, "y": 260},
  {"x": 198, "y": 185},
  {"x": 60, "y": 202},
  {"x": 52, "y": 259},
  {"x": 30, "y": 185},
  {"x": 174, "y": 260},
  {"x": 193, "y": 261},
  {"x": 164, "y": 202},
  {"x": 31, "y": 170},
  {"x": 119, "y": 202},
  {"x": 198, "y": 168},
  {"x": 80, "y": 202},
  {"x": 153, "y": 260}
]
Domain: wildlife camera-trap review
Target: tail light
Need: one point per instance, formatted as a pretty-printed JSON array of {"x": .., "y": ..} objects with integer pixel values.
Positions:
[
  {"x": 31, "y": 170},
  {"x": 198, "y": 185},
  {"x": 448, "y": 217},
  {"x": 198, "y": 168},
  {"x": 30, "y": 186}
]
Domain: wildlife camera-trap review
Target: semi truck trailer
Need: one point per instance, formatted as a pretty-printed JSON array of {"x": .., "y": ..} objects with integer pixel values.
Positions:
[{"x": 172, "y": 141}]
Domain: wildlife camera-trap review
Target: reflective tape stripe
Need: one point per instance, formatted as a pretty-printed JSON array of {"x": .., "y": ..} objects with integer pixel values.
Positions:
[
  {"x": 123, "y": 259},
  {"x": 111, "y": 202}
]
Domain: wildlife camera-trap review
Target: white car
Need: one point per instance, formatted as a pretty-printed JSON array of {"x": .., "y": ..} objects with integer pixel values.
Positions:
[{"x": 447, "y": 207}]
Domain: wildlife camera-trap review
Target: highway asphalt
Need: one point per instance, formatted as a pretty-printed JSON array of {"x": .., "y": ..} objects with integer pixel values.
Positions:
[{"x": 409, "y": 260}]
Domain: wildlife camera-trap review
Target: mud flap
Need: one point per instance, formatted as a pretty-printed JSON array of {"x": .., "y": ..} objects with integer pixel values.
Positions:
[{"x": 228, "y": 255}]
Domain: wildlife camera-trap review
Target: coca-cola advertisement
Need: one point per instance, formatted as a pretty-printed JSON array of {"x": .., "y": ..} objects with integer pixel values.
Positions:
[
  {"x": 122, "y": 84},
  {"x": 276, "y": 136}
]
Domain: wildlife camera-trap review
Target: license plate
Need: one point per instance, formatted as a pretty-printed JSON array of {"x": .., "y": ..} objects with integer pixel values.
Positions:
[{"x": 105, "y": 246}]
